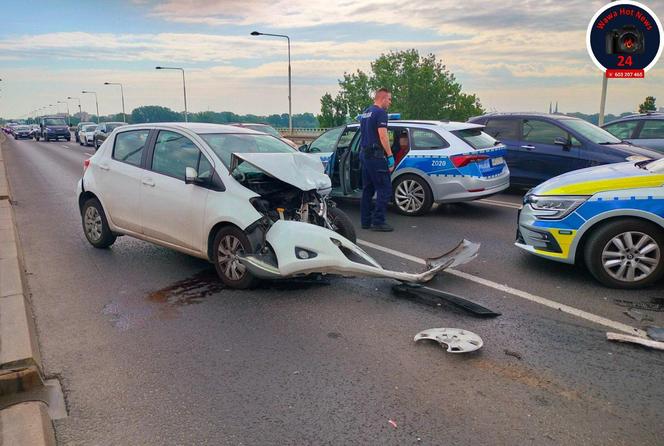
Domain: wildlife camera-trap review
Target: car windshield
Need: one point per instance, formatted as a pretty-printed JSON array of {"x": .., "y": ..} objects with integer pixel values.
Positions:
[
  {"x": 111, "y": 127},
  {"x": 90, "y": 128},
  {"x": 591, "y": 131},
  {"x": 263, "y": 129},
  {"x": 476, "y": 138},
  {"x": 656, "y": 166},
  {"x": 54, "y": 121},
  {"x": 225, "y": 144}
]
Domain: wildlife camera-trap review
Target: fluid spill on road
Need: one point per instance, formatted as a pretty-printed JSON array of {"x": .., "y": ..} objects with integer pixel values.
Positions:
[
  {"x": 128, "y": 312},
  {"x": 189, "y": 291}
]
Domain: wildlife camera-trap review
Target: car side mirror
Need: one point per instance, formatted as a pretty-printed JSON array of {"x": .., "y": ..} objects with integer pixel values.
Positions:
[
  {"x": 560, "y": 141},
  {"x": 303, "y": 148},
  {"x": 190, "y": 176}
]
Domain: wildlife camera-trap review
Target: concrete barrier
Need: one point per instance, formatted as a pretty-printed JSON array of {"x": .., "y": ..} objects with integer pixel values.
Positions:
[{"x": 21, "y": 370}]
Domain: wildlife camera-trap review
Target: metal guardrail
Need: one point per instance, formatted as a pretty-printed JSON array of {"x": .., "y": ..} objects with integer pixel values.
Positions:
[{"x": 301, "y": 132}]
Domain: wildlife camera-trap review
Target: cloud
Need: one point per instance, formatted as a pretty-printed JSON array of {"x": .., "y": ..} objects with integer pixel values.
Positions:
[{"x": 442, "y": 15}]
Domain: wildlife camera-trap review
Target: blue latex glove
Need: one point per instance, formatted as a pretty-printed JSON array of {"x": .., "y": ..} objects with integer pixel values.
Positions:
[{"x": 390, "y": 161}]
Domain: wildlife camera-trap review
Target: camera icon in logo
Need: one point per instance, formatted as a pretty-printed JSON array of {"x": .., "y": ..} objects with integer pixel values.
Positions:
[{"x": 625, "y": 40}]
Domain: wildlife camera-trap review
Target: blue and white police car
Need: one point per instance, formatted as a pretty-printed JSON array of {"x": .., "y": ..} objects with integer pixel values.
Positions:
[{"x": 435, "y": 162}]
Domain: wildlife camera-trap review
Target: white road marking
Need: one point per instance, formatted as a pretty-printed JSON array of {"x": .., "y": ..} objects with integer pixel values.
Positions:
[
  {"x": 515, "y": 292},
  {"x": 504, "y": 204}
]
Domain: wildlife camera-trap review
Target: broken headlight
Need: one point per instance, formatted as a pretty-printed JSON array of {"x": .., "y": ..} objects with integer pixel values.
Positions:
[{"x": 554, "y": 207}]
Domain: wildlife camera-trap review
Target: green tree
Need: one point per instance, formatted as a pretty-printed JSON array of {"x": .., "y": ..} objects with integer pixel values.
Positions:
[
  {"x": 154, "y": 113},
  {"x": 421, "y": 86},
  {"x": 333, "y": 111},
  {"x": 648, "y": 105}
]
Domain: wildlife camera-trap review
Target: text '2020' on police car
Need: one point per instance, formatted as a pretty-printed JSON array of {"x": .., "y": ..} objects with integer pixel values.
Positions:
[
  {"x": 611, "y": 217},
  {"x": 244, "y": 200},
  {"x": 441, "y": 162}
]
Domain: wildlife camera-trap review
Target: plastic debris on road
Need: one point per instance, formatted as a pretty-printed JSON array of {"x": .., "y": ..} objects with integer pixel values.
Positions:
[
  {"x": 656, "y": 333},
  {"x": 455, "y": 340}
]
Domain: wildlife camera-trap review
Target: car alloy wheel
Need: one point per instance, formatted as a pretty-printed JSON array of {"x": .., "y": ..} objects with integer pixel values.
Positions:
[
  {"x": 93, "y": 224},
  {"x": 409, "y": 196},
  {"x": 227, "y": 257},
  {"x": 631, "y": 256}
]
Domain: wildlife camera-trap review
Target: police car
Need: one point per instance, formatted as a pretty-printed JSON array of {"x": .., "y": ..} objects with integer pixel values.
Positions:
[
  {"x": 442, "y": 162},
  {"x": 611, "y": 217}
]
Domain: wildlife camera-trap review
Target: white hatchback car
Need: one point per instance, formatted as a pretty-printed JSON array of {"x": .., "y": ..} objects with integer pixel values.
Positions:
[
  {"x": 86, "y": 135},
  {"x": 243, "y": 200}
]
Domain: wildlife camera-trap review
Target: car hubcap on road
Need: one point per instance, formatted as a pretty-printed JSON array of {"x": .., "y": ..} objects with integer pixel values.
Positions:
[
  {"x": 631, "y": 256},
  {"x": 409, "y": 196},
  {"x": 93, "y": 224},
  {"x": 227, "y": 257}
]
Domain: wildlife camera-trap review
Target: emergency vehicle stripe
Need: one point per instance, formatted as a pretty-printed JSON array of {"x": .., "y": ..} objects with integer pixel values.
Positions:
[{"x": 593, "y": 187}]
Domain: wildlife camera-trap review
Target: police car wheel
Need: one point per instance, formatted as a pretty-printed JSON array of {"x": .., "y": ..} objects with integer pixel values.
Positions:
[
  {"x": 412, "y": 195},
  {"x": 626, "y": 253}
]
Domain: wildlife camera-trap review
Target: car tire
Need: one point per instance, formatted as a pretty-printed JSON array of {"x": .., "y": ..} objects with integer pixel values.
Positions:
[
  {"x": 69, "y": 139},
  {"x": 342, "y": 224},
  {"x": 228, "y": 242},
  {"x": 623, "y": 268},
  {"x": 412, "y": 195},
  {"x": 95, "y": 225}
]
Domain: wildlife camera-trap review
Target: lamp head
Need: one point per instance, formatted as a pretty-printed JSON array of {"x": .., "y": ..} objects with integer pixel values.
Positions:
[{"x": 255, "y": 33}]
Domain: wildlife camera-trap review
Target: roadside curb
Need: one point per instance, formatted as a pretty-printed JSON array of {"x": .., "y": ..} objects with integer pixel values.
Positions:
[{"x": 26, "y": 423}]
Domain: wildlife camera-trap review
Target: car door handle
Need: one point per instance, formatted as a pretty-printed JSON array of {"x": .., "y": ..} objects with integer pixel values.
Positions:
[
  {"x": 104, "y": 167},
  {"x": 148, "y": 182},
  {"x": 528, "y": 147}
]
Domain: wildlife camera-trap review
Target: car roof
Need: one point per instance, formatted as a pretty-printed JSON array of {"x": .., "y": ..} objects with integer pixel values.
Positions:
[
  {"x": 640, "y": 117},
  {"x": 424, "y": 124},
  {"x": 553, "y": 116},
  {"x": 196, "y": 127}
]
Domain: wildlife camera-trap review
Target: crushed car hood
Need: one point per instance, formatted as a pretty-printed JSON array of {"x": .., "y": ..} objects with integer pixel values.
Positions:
[{"x": 299, "y": 170}]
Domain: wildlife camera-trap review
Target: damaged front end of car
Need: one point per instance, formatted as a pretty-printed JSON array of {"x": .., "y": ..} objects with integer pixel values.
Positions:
[
  {"x": 297, "y": 235},
  {"x": 291, "y": 187}
]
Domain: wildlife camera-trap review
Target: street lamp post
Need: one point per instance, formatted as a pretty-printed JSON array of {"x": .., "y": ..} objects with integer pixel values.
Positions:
[
  {"x": 124, "y": 116},
  {"x": 96, "y": 101},
  {"x": 80, "y": 113},
  {"x": 68, "y": 115},
  {"x": 290, "y": 104},
  {"x": 184, "y": 87}
]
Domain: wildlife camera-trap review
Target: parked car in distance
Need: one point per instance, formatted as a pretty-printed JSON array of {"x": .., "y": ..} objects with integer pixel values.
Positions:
[
  {"x": 542, "y": 146},
  {"x": 21, "y": 131},
  {"x": 265, "y": 128},
  {"x": 441, "y": 162},
  {"x": 86, "y": 135},
  {"x": 80, "y": 126},
  {"x": 643, "y": 129},
  {"x": 103, "y": 130},
  {"x": 610, "y": 217},
  {"x": 211, "y": 191},
  {"x": 52, "y": 127}
]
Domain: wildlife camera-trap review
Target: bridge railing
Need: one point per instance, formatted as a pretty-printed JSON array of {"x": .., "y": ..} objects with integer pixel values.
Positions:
[{"x": 301, "y": 132}]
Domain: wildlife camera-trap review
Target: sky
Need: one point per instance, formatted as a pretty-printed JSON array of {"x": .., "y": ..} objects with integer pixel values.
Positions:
[{"x": 516, "y": 55}]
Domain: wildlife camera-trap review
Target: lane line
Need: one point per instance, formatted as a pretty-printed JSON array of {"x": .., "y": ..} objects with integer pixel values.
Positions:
[{"x": 600, "y": 320}]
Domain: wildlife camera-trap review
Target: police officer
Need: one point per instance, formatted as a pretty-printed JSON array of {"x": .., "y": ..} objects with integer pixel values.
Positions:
[{"x": 377, "y": 162}]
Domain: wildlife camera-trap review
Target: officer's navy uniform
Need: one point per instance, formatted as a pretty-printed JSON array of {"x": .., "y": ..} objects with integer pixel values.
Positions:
[{"x": 375, "y": 172}]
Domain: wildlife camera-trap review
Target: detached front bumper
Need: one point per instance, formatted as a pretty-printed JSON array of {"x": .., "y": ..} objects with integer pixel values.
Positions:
[{"x": 300, "y": 249}]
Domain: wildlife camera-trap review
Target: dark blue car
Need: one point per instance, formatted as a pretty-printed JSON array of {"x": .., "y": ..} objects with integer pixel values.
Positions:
[{"x": 542, "y": 146}]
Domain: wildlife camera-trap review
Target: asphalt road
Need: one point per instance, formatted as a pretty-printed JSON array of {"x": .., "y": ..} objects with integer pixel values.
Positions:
[{"x": 151, "y": 350}]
